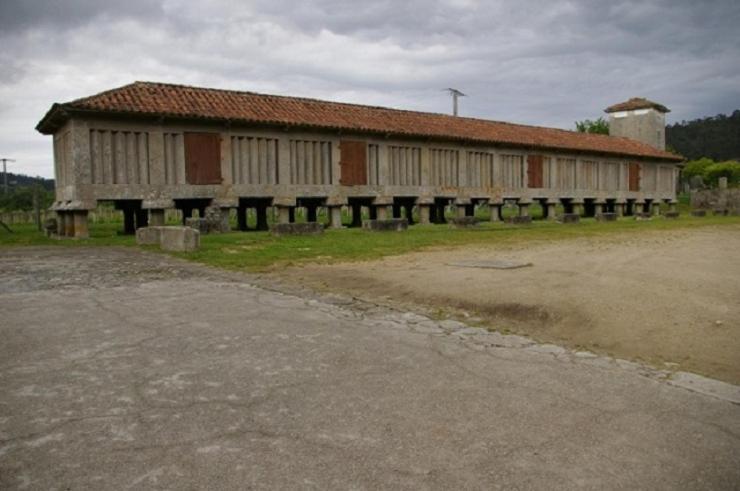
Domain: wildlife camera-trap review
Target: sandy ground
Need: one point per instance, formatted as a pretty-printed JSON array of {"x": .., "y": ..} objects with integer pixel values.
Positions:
[{"x": 671, "y": 299}]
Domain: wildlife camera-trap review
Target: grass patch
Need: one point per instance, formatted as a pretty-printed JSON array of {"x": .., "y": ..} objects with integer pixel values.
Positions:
[{"x": 260, "y": 251}]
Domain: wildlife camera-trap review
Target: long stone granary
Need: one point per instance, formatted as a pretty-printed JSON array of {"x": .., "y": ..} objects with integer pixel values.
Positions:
[{"x": 150, "y": 146}]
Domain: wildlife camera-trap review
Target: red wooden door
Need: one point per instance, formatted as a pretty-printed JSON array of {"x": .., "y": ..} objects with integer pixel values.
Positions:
[
  {"x": 202, "y": 158},
  {"x": 534, "y": 171},
  {"x": 353, "y": 163},
  {"x": 634, "y": 177}
]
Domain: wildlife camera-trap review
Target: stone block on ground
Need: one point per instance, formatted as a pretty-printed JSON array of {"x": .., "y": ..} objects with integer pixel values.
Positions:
[
  {"x": 464, "y": 222},
  {"x": 309, "y": 228},
  {"x": 50, "y": 226},
  {"x": 720, "y": 212},
  {"x": 606, "y": 217},
  {"x": 671, "y": 214},
  {"x": 519, "y": 220},
  {"x": 569, "y": 218},
  {"x": 698, "y": 213},
  {"x": 149, "y": 235},
  {"x": 390, "y": 225},
  {"x": 179, "y": 239},
  {"x": 643, "y": 215}
]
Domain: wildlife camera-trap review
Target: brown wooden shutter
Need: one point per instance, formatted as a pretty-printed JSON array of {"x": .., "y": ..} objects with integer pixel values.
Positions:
[
  {"x": 634, "y": 177},
  {"x": 534, "y": 171},
  {"x": 202, "y": 158},
  {"x": 353, "y": 163}
]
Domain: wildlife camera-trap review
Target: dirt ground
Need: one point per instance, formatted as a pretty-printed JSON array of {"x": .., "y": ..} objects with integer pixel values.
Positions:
[{"x": 671, "y": 299}]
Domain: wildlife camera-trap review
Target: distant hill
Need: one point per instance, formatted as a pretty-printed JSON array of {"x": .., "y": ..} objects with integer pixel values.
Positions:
[
  {"x": 22, "y": 180},
  {"x": 716, "y": 137}
]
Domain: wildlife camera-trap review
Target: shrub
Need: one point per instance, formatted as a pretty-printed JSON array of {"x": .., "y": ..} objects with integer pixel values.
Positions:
[{"x": 729, "y": 169}]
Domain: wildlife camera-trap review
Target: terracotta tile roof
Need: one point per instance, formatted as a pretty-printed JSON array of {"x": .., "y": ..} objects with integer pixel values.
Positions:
[
  {"x": 177, "y": 101},
  {"x": 636, "y": 103}
]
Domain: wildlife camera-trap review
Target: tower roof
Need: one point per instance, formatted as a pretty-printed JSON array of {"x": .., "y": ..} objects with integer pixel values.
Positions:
[{"x": 636, "y": 103}]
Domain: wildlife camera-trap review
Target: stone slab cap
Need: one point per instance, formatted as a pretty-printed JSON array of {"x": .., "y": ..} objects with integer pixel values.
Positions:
[
  {"x": 157, "y": 204},
  {"x": 383, "y": 200},
  {"x": 425, "y": 200},
  {"x": 336, "y": 201},
  {"x": 283, "y": 201},
  {"x": 496, "y": 202},
  {"x": 462, "y": 200},
  {"x": 525, "y": 201},
  {"x": 73, "y": 205},
  {"x": 225, "y": 202}
]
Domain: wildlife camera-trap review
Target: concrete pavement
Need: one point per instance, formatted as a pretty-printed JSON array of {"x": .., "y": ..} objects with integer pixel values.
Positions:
[{"x": 127, "y": 370}]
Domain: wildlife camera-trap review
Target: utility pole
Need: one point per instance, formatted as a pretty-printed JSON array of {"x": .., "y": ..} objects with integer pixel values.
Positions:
[
  {"x": 455, "y": 94},
  {"x": 5, "y": 174}
]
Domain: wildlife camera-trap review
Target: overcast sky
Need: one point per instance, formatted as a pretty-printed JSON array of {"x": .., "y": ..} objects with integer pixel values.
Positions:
[{"x": 536, "y": 62}]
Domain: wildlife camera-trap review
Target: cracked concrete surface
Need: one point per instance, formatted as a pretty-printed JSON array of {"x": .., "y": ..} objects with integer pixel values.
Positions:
[{"x": 126, "y": 370}]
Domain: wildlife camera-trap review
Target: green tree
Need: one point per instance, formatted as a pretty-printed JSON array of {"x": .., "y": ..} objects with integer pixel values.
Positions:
[
  {"x": 729, "y": 169},
  {"x": 600, "y": 126},
  {"x": 697, "y": 167}
]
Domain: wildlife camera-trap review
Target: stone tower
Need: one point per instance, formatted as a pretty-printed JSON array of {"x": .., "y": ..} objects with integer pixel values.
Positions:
[{"x": 639, "y": 119}]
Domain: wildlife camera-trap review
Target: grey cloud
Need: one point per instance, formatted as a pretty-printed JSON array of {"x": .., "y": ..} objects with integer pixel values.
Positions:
[
  {"x": 58, "y": 14},
  {"x": 537, "y": 62}
]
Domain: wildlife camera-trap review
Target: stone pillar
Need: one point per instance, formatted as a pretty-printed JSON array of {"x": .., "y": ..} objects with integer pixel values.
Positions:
[
  {"x": 142, "y": 218},
  {"x": 283, "y": 213},
  {"x": 638, "y": 207},
  {"x": 69, "y": 224},
  {"x": 409, "y": 208},
  {"x": 80, "y": 224},
  {"x": 424, "y": 214},
  {"x": 382, "y": 212},
  {"x": 551, "y": 211},
  {"x": 722, "y": 184},
  {"x": 495, "y": 212},
  {"x": 156, "y": 218},
  {"x": 225, "y": 225},
  {"x": 598, "y": 208},
  {"x": 261, "y": 211},
  {"x": 461, "y": 211},
  {"x": 335, "y": 217},
  {"x": 577, "y": 208},
  {"x": 619, "y": 209},
  {"x": 523, "y": 209},
  {"x": 656, "y": 208},
  {"x": 61, "y": 223},
  {"x": 241, "y": 218}
]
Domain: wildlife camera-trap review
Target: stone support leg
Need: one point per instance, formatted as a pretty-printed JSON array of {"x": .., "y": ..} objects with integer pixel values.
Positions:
[
  {"x": 241, "y": 218},
  {"x": 69, "y": 224},
  {"x": 598, "y": 208},
  {"x": 335, "y": 217},
  {"x": 424, "y": 214},
  {"x": 61, "y": 224},
  {"x": 550, "y": 207},
  {"x": 129, "y": 223},
  {"x": 283, "y": 213},
  {"x": 142, "y": 218},
  {"x": 523, "y": 209},
  {"x": 495, "y": 213},
  {"x": 80, "y": 224},
  {"x": 261, "y": 211},
  {"x": 619, "y": 209},
  {"x": 382, "y": 212},
  {"x": 156, "y": 218},
  {"x": 409, "y": 213},
  {"x": 461, "y": 211},
  {"x": 656, "y": 208},
  {"x": 356, "y": 215}
]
